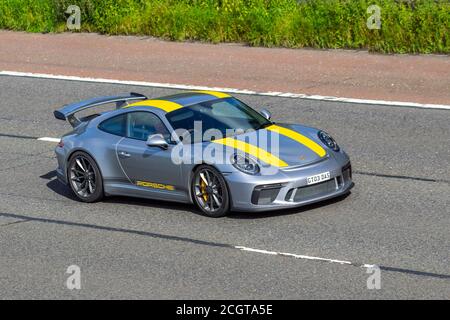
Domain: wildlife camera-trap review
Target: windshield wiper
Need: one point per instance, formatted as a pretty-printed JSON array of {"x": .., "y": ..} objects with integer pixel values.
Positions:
[{"x": 265, "y": 125}]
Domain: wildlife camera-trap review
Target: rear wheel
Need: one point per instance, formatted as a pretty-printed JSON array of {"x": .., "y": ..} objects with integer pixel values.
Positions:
[
  {"x": 210, "y": 191},
  {"x": 85, "y": 178}
]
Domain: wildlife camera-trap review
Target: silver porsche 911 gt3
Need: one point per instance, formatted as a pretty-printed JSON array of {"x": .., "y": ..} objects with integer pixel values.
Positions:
[{"x": 202, "y": 147}]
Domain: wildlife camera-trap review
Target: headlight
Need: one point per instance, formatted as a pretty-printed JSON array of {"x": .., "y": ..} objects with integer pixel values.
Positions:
[
  {"x": 328, "y": 141},
  {"x": 245, "y": 164}
]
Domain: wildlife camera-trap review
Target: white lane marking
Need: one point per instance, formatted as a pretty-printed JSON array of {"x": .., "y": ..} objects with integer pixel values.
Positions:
[
  {"x": 300, "y": 256},
  {"x": 48, "y": 139},
  {"x": 228, "y": 90}
]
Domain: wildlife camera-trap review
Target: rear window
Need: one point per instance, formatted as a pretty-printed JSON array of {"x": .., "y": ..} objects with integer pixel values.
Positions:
[{"x": 115, "y": 125}]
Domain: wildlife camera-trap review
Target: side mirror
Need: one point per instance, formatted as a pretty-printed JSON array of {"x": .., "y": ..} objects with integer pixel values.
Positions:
[
  {"x": 157, "y": 140},
  {"x": 266, "y": 114}
]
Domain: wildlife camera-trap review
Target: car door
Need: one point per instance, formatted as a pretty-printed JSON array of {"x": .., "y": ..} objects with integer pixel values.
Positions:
[
  {"x": 112, "y": 131},
  {"x": 149, "y": 169}
]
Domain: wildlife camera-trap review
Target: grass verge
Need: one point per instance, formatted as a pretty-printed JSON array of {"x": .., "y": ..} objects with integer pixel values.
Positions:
[{"x": 407, "y": 26}]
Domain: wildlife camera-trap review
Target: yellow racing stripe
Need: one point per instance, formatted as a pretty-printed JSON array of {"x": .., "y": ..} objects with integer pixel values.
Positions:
[
  {"x": 167, "y": 106},
  {"x": 258, "y": 153},
  {"x": 216, "y": 94},
  {"x": 299, "y": 138}
]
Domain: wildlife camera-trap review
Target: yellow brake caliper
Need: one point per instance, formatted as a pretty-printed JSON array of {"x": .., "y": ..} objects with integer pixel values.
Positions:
[{"x": 203, "y": 190}]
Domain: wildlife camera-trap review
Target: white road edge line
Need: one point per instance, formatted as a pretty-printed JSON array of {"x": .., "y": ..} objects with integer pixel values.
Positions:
[
  {"x": 48, "y": 139},
  {"x": 228, "y": 90}
]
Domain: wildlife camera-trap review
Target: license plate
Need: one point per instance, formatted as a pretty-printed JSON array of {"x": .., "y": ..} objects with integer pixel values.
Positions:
[{"x": 318, "y": 178}]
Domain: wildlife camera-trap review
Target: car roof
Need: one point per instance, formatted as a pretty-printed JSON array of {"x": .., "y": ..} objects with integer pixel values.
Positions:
[{"x": 176, "y": 101}]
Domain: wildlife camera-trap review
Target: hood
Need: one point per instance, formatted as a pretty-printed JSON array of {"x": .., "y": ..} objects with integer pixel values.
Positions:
[{"x": 293, "y": 145}]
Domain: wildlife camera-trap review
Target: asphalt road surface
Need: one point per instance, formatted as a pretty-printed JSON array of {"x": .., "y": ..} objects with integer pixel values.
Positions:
[{"x": 397, "y": 216}]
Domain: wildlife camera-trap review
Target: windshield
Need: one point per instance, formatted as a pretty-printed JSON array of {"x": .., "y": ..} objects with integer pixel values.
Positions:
[{"x": 228, "y": 116}]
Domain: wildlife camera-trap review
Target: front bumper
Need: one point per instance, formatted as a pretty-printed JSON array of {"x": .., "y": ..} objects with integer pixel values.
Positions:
[{"x": 288, "y": 188}]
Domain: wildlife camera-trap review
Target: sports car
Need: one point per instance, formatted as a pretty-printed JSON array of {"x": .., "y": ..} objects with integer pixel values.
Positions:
[{"x": 202, "y": 147}]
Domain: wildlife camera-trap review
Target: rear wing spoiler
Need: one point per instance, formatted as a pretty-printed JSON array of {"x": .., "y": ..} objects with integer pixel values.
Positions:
[{"x": 68, "y": 111}]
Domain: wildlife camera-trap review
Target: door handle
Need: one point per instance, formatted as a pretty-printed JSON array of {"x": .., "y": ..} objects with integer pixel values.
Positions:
[{"x": 124, "y": 154}]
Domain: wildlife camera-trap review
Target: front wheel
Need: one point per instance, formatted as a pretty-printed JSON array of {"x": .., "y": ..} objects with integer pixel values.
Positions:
[
  {"x": 210, "y": 191},
  {"x": 85, "y": 178}
]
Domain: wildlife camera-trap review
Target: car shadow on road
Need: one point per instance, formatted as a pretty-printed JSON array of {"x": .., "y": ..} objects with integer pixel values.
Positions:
[
  {"x": 65, "y": 191},
  {"x": 160, "y": 204},
  {"x": 286, "y": 212},
  {"x": 58, "y": 187}
]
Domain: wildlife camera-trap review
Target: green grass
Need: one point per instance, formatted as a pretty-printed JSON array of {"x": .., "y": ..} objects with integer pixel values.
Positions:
[{"x": 408, "y": 26}]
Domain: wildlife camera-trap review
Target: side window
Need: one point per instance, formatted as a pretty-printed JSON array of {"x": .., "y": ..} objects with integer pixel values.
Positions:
[
  {"x": 143, "y": 124},
  {"x": 115, "y": 125}
]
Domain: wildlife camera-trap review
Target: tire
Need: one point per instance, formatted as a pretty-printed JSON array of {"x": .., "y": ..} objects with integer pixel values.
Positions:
[
  {"x": 210, "y": 192},
  {"x": 85, "y": 178}
]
